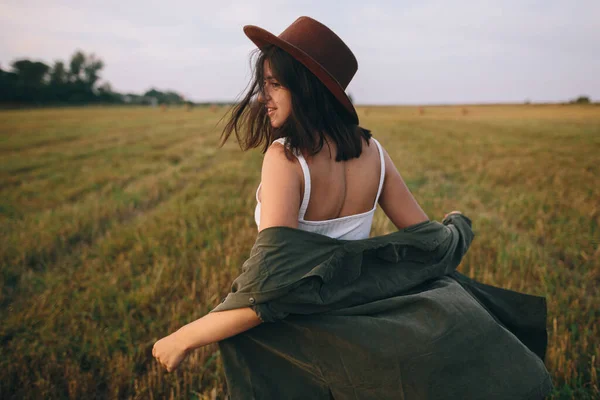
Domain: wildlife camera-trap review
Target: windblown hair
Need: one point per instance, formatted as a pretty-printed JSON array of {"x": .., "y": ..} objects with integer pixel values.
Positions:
[{"x": 314, "y": 111}]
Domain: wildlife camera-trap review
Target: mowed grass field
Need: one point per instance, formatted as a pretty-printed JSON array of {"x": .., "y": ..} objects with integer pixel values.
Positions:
[{"x": 120, "y": 225}]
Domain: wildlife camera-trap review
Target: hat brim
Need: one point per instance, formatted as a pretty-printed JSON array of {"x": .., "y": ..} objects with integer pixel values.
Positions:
[{"x": 261, "y": 38}]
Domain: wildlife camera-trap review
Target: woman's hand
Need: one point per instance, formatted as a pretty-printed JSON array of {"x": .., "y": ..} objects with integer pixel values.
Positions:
[
  {"x": 169, "y": 352},
  {"x": 452, "y": 212}
]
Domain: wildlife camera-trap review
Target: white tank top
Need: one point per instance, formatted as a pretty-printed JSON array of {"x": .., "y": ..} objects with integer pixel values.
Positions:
[{"x": 350, "y": 227}]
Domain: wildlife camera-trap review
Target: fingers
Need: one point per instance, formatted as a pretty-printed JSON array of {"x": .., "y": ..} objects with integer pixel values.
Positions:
[
  {"x": 162, "y": 364},
  {"x": 157, "y": 359},
  {"x": 452, "y": 212}
]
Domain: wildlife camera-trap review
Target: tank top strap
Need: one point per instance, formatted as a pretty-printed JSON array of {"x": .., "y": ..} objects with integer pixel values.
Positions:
[
  {"x": 382, "y": 174},
  {"x": 306, "y": 172}
]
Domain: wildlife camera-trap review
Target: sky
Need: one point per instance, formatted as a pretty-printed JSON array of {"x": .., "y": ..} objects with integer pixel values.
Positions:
[{"x": 408, "y": 52}]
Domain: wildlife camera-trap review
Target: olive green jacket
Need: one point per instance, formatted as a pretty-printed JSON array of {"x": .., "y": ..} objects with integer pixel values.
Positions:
[{"x": 387, "y": 317}]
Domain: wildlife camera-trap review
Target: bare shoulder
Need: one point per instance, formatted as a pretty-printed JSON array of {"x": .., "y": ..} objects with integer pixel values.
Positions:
[
  {"x": 275, "y": 163},
  {"x": 280, "y": 188}
]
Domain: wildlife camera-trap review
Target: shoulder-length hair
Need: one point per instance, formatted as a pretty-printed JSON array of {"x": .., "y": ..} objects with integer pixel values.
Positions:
[{"x": 314, "y": 111}]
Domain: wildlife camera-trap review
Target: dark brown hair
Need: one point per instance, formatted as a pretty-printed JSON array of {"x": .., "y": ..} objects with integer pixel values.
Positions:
[{"x": 314, "y": 111}]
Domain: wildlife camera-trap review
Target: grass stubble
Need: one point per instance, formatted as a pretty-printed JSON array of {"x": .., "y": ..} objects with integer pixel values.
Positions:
[{"x": 119, "y": 225}]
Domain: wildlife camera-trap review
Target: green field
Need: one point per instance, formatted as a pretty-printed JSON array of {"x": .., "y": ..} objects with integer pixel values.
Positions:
[{"x": 120, "y": 225}]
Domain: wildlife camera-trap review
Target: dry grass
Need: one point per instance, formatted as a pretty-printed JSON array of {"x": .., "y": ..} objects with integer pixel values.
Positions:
[{"x": 119, "y": 225}]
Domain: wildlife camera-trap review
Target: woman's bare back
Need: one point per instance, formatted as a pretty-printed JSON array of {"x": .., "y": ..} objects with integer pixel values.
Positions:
[{"x": 340, "y": 189}]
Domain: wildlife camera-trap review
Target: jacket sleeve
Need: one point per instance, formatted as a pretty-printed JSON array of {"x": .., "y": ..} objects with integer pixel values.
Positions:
[{"x": 461, "y": 226}]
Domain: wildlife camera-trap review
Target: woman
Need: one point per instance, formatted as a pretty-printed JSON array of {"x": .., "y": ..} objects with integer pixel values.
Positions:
[
  {"x": 411, "y": 326},
  {"x": 335, "y": 180}
]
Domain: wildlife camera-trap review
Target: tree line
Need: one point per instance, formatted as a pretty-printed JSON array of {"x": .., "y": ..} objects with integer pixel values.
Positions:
[{"x": 36, "y": 83}]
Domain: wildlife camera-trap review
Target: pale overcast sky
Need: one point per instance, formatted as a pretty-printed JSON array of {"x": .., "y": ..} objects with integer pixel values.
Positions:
[{"x": 409, "y": 52}]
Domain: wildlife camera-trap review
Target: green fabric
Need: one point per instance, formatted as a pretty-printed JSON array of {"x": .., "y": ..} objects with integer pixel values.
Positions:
[{"x": 387, "y": 317}]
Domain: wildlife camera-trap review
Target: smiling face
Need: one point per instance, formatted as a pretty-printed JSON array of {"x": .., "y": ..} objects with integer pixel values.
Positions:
[{"x": 276, "y": 98}]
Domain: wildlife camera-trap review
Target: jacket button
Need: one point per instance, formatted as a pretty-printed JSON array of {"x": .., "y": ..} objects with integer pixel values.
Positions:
[{"x": 251, "y": 300}]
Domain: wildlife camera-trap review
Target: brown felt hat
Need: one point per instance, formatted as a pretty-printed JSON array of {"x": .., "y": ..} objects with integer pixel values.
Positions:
[{"x": 319, "y": 49}]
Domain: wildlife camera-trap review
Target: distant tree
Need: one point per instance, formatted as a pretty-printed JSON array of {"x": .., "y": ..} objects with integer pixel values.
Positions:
[
  {"x": 82, "y": 77},
  {"x": 58, "y": 74},
  {"x": 58, "y": 88},
  {"x": 582, "y": 100},
  {"x": 29, "y": 72},
  {"x": 8, "y": 82},
  {"x": 153, "y": 93},
  {"x": 105, "y": 88},
  {"x": 76, "y": 66},
  {"x": 106, "y": 94},
  {"x": 173, "y": 98},
  {"x": 91, "y": 67},
  {"x": 168, "y": 97},
  {"x": 30, "y": 81}
]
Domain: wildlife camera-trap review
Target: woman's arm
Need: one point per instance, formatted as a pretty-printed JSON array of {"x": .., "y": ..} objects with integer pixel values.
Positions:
[
  {"x": 171, "y": 350},
  {"x": 396, "y": 200},
  {"x": 216, "y": 326},
  {"x": 281, "y": 197}
]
